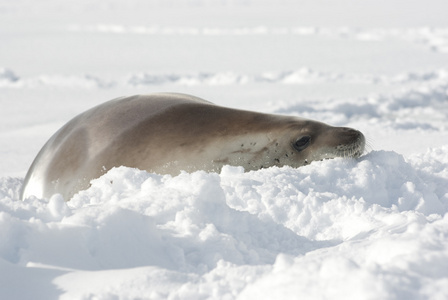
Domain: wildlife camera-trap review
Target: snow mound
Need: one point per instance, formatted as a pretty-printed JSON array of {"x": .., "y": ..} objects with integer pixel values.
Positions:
[
  {"x": 7, "y": 76},
  {"x": 247, "y": 234}
]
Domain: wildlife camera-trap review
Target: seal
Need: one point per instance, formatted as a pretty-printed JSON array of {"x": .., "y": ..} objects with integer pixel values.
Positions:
[{"x": 168, "y": 133}]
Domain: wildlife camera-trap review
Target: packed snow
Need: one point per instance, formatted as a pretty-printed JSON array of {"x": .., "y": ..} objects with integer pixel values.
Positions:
[{"x": 375, "y": 227}]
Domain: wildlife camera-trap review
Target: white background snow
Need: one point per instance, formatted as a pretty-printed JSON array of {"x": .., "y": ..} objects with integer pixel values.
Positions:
[{"x": 371, "y": 228}]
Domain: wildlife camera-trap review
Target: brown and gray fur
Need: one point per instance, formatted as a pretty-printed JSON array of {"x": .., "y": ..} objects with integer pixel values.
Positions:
[{"x": 168, "y": 133}]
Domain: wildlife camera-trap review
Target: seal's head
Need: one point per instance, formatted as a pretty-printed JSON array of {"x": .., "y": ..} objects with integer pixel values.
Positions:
[
  {"x": 256, "y": 141},
  {"x": 318, "y": 141}
]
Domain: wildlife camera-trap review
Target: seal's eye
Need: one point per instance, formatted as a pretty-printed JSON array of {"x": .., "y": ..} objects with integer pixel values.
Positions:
[{"x": 302, "y": 143}]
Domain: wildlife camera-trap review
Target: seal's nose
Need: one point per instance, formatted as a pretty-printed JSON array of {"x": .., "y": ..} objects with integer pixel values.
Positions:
[
  {"x": 352, "y": 138},
  {"x": 350, "y": 132}
]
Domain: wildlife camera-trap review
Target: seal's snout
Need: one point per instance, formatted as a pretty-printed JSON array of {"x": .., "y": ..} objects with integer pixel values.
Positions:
[
  {"x": 350, "y": 132},
  {"x": 358, "y": 142},
  {"x": 351, "y": 135},
  {"x": 351, "y": 142}
]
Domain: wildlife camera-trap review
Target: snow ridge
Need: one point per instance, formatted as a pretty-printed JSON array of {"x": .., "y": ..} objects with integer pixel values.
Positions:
[
  {"x": 9, "y": 79},
  {"x": 423, "y": 107},
  {"x": 435, "y": 39}
]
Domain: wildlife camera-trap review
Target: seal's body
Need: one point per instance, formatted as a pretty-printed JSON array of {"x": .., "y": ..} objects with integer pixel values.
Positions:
[{"x": 168, "y": 133}]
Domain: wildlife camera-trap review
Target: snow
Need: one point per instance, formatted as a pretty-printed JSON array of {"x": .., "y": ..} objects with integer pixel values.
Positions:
[{"x": 369, "y": 228}]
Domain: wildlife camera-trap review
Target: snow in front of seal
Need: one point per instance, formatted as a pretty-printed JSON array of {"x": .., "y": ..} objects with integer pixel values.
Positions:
[
  {"x": 378, "y": 221},
  {"x": 375, "y": 227}
]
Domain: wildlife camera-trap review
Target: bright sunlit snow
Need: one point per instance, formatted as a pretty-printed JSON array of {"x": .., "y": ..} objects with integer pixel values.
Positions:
[{"x": 369, "y": 228}]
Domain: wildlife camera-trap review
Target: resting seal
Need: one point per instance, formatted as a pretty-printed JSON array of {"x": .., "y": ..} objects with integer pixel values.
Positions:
[{"x": 168, "y": 133}]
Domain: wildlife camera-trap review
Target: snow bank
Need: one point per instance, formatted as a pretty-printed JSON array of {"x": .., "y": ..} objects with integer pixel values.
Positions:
[{"x": 379, "y": 221}]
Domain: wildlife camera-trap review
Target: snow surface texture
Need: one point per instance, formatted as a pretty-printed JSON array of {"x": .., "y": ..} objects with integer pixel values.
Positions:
[{"x": 371, "y": 228}]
